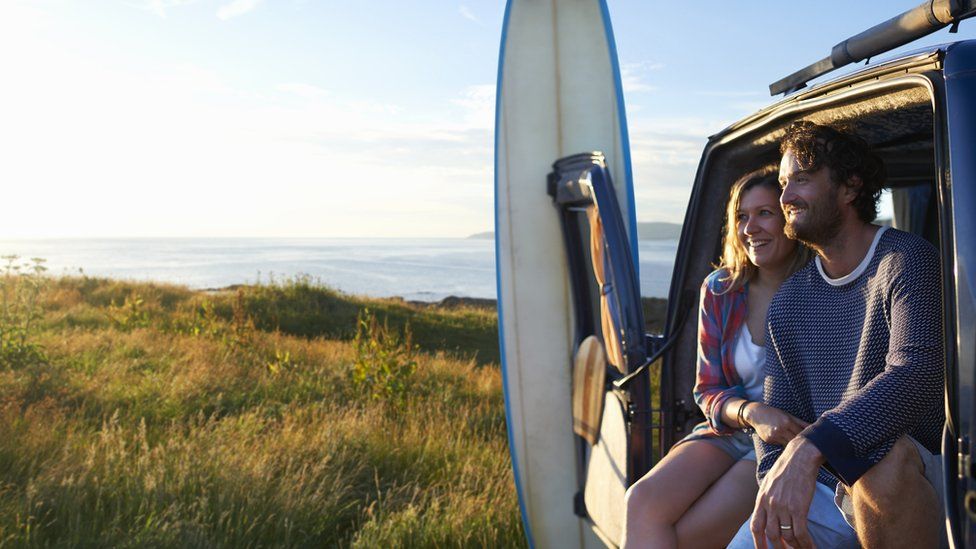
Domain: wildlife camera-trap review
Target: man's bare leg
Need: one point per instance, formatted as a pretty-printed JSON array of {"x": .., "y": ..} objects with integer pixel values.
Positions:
[{"x": 894, "y": 504}]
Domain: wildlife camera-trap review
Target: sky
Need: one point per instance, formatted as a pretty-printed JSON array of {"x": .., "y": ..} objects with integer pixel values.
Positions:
[{"x": 305, "y": 118}]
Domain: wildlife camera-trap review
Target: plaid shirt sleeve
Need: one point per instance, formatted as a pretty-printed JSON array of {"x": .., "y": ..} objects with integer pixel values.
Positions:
[{"x": 716, "y": 382}]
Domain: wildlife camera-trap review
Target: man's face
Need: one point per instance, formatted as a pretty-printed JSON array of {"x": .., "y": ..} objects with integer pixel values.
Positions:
[{"x": 810, "y": 202}]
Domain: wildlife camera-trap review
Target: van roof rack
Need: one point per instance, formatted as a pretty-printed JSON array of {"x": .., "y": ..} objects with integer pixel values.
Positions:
[{"x": 913, "y": 24}]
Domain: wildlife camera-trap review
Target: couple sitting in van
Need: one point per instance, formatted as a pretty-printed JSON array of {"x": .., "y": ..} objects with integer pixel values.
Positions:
[{"x": 834, "y": 366}]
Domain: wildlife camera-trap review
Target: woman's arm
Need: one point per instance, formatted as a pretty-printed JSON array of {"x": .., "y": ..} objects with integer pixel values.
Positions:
[
  {"x": 771, "y": 424},
  {"x": 712, "y": 390}
]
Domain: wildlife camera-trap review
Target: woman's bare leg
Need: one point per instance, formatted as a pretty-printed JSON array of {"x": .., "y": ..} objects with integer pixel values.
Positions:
[
  {"x": 715, "y": 518},
  {"x": 657, "y": 501}
]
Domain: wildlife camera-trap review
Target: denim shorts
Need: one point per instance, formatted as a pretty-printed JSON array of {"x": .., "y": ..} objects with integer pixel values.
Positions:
[{"x": 738, "y": 445}]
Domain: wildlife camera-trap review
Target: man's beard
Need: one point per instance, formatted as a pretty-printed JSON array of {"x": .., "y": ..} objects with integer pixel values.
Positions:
[{"x": 821, "y": 223}]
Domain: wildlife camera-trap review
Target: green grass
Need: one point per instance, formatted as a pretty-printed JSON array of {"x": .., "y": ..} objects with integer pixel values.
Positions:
[
  {"x": 165, "y": 417},
  {"x": 158, "y": 416}
]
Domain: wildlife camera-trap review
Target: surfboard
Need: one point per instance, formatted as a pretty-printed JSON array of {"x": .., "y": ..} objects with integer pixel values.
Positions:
[{"x": 558, "y": 93}]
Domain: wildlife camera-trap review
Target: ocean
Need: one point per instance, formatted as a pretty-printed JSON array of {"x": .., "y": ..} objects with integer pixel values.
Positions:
[{"x": 416, "y": 269}]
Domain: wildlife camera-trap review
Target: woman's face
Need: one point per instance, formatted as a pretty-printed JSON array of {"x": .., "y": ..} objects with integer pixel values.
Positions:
[{"x": 759, "y": 222}]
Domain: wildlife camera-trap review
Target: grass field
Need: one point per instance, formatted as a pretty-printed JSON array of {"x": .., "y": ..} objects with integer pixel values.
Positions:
[
  {"x": 151, "y": 415},
  {"x": 286, "y": 414}
]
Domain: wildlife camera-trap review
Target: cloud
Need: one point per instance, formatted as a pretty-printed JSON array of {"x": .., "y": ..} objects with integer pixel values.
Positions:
[
  {"x": 306, "y": 91},
  {"x": 236, "y": 8},
  {"x": 665, "y": 153},
  {"x": 273, "y": 161},
  {"x": 160, "y": 7},
  {"x": 632, "y": 79},
  {"x": 466, "y": 13},
  {"x": 478, "y": 103}
]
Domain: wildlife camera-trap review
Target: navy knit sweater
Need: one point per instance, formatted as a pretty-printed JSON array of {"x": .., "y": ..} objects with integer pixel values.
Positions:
[{"x": 863, "y": 362}]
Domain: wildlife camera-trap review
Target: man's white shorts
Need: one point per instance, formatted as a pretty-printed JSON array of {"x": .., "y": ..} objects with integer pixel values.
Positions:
[{"x": 831, "y": 517}]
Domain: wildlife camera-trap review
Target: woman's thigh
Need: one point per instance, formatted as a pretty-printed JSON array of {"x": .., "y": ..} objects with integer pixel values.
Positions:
[
  {"x": 678, "y": 480},
  {"x": 715, "y": 518}
]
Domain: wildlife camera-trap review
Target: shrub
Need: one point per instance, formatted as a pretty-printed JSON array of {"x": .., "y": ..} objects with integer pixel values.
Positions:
[
  {"x": 130, "y": 314},
  {"x": 384, "y": 363}
]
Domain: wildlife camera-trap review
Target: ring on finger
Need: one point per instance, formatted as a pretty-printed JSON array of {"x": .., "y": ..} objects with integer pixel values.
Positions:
[{"x": 785, "y": 526}]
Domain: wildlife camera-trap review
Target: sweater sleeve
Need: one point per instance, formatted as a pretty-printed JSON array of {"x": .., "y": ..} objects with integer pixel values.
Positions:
[
  {"x": 712, "y": 389},
  {"x": 859, "y": 432},
  {"x": 778, "y": 392}
]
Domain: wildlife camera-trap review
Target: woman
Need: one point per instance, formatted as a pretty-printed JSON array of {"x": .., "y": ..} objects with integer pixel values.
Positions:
[{"x": 705, "y": 488}]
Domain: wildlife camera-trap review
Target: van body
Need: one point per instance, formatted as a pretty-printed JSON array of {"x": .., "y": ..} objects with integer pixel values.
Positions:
[{"x": 918, "y": 111}]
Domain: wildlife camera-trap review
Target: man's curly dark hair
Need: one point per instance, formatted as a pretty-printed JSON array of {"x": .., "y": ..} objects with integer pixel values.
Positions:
[{"x": 845, "y": 154}]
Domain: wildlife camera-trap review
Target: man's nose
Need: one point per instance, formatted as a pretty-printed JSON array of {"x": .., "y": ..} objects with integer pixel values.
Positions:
[{"x": 788, "y": 196}]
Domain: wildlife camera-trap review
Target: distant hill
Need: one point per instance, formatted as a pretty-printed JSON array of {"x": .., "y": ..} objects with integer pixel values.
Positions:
[
  {"x": 658, "y": 230},
  {"x": 646, "y": 230},
  {"x": 487, "y": 235}
]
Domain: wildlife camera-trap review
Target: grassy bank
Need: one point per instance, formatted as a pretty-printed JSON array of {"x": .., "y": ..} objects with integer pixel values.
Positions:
[
  {"x": 287, "y": 414},
  {"x": 151, "y": 415}
]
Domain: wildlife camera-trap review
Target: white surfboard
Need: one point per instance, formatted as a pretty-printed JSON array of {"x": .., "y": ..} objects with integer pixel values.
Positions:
[{"x": 559, "y": 93}]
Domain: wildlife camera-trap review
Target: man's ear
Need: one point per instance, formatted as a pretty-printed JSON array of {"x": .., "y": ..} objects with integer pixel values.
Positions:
[{"x": 850, "y": 190}]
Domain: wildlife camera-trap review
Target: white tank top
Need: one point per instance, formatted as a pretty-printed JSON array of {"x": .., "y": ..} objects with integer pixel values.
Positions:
[{"x": 749, "y": 361}]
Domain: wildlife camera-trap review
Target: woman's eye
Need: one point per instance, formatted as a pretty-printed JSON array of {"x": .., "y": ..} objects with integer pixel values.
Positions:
[{"x": 741, "y": 217}]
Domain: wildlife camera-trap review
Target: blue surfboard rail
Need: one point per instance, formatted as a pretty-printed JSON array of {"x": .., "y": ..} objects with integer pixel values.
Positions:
[{"x": 520, "y": 491}]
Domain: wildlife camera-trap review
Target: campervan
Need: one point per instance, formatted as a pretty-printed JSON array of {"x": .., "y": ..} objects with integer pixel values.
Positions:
[{"x": 592, "y": 400}]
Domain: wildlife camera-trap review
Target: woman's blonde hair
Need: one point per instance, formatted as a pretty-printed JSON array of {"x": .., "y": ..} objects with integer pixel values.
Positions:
[{"x": 734, "y": 259}]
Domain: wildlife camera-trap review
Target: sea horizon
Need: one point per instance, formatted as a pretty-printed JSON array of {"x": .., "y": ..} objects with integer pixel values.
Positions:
[{"x": 425, "y": 269}]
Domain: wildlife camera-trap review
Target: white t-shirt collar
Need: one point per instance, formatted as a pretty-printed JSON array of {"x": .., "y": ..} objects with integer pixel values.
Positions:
[{"x": 850, "y": 277}]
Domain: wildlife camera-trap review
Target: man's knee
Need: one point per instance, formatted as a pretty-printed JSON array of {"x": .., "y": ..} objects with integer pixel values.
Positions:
[{"x": 883, "y": 485}]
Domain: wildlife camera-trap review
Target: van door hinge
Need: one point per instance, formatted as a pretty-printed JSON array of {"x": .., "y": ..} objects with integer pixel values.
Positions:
[
  {"x": 681, "y": 415},
  {"x": 579, "y": 505},
  {"x": 965, "y": 461}
]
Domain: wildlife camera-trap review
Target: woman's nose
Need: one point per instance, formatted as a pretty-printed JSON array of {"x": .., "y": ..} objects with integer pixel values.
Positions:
[{"x": 751, "y": 227}]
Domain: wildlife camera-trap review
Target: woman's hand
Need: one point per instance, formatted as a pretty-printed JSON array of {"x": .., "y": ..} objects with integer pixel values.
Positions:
[{"x": 772, "y": 424}]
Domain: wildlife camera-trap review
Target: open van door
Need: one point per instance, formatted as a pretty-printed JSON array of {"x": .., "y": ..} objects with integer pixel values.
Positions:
[
  {"x": 957, "y": 103},
  {"x": 612, "y": 415}
]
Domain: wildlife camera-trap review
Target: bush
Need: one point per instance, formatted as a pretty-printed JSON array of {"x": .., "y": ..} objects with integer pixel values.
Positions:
[
  {"x": 130, "y": 314},
  {"x": 384, "y": 364}
]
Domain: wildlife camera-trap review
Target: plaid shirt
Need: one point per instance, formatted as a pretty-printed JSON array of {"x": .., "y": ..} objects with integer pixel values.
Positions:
[{"x": 720, "y": 317}]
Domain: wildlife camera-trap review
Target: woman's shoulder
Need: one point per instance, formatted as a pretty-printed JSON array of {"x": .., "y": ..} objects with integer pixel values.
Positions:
[{"x": 718, "y": 281}]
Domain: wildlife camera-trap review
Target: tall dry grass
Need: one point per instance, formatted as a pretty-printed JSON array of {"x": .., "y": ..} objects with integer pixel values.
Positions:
[{"x": 163, "y": 417}]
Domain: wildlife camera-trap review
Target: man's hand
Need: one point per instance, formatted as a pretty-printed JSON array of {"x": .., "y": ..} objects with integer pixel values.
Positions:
[
  {"x": 785, "y": 495},
  {"x": 772, "y": 424}
]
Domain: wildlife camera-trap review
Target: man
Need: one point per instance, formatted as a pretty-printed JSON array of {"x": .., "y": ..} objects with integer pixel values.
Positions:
[{"x": 854, "y": 346}]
